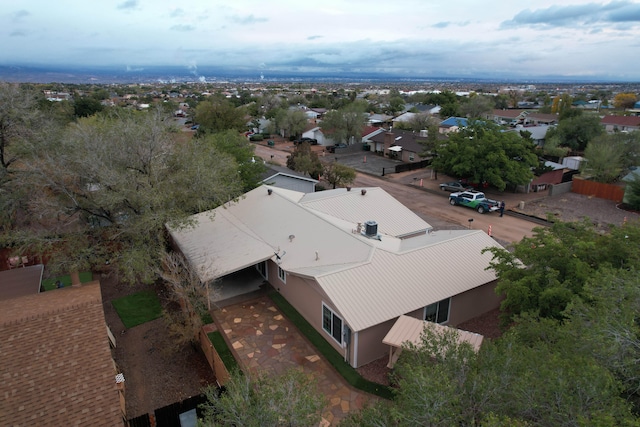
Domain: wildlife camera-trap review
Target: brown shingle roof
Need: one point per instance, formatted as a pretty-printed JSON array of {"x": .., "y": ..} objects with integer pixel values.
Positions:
[
  {"x": 55, "y": 362},
  {"x": 20, "y": 281},
  {"x": 621, "y": 120}
]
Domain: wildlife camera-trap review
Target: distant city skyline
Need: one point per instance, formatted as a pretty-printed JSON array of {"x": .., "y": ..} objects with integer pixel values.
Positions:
[{"x": 521, "y": 40}]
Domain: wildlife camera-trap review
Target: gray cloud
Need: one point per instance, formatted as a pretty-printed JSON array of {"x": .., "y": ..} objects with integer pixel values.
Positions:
[
  {"x": 18, "y": 33},
  {"x": 182, "y": 28},
  {"x": 441, "y": 24},
  {"x": 247, "y": 20},
  {"x": 314, "y": 37},
  {"x": 592, "y": 13},
  {"x": 128, "y": 4},
  {"x": 19, "y": 15},
  {"x": 177, "y": 13}
]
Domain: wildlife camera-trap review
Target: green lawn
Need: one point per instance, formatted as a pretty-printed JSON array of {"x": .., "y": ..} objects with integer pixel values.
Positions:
[
  {"x": 138, "y": 308},
  {"x": 336, "y": 359},
  {"x": 50, "y": 284},
  {"x": 224, "y": 352}
]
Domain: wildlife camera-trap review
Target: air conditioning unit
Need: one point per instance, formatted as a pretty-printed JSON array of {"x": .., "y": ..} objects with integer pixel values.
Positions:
[{"x": 371, "y": 228}]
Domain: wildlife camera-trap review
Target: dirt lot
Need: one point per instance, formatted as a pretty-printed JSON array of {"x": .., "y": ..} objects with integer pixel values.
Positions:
[{"x": 157, "y": 372}]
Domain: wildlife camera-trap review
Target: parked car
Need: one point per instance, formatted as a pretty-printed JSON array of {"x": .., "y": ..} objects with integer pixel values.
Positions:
[
  {"x": 454, "y": 186},
  {"x": 477, "y": 185}
]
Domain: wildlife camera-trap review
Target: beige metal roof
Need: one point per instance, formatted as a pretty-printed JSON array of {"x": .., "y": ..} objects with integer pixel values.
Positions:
[
  {"x": 409, "y": 329},
  {"x": 375, "y": 204},
  {"x": 369, "y": 281},
  {"x": 395, "y": 283},
  {"x": 258, "y": 226}
]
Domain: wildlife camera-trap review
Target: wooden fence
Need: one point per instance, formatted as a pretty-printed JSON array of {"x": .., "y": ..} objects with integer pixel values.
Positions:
[
  {"x": 598, "y": 189},
  {"x": 219, "y": 370}
]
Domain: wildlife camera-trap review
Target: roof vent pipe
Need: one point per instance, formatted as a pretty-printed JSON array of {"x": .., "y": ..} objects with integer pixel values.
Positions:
[
  {"x": 363, "y": 191},
  {"x": 269, "y": 191}
]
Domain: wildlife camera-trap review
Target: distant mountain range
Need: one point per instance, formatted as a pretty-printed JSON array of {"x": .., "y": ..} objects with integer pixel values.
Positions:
[{"x": 169, "y": 74}]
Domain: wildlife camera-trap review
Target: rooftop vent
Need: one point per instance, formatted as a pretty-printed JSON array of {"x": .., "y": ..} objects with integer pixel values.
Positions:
[
  {"x": 370, "y": 228},
  {"x": 363, "y": 191}
]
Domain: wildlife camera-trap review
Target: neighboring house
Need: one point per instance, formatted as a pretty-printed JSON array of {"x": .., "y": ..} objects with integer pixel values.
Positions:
[
  {"x": 620, "y": 123},
  {"x": 538, "y": 133},
  {"x": 282, "y": 177},
  {"x": 452, "y": 124},
  {"x": 369, "y": 132},
  {"x": 553, "y": 176},
  {"x": 317, "y": 134},
  {"x": 350, "y": 261},
  {"x": 55, "y": 357},
  {"x": 424, "y": 108},
  {"x": 399, "y": 144},
  {"x": 404, "y": 118},
  {"x": 523, "y": 117},
  {"x": 379, "y": 120}
]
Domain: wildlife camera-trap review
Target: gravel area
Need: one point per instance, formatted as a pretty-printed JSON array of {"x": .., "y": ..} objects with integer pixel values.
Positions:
[{"x": 570, "y": 207}]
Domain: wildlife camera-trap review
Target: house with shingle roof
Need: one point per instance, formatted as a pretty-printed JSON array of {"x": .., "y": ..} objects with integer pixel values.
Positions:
[
  {"x": 57, "y": 368},
  {"x": 620, "y": 123},
  {"x": 350, "y": 261}
]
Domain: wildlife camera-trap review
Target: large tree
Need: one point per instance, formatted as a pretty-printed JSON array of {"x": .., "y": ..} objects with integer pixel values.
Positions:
[
  {"x": 219, "y": 115},
  {"x": 547, "y": 271},
  {"x": 346, "y": 124},
  {"x": 338, "y": 174},
  {"x": 106, "y": 189},
  {"x": 477, "y": 106},
  {"x": 290, "y": 399},
  {"x": 305, "y": 160},
  {"x": 482, "y": 152},
  {"x": 575, "y": 132},
  {"x": 604, "y": 160}
]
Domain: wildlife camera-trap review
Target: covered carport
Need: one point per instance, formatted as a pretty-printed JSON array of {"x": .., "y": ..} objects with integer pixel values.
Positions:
[
  {"x": 409, "y": 329},
  {"x": 227, "y": 268}
]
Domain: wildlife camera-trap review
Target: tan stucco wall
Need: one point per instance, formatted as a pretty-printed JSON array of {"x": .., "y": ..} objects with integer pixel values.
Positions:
[
  {"x": 473, "y": 303},
  {"x": 307, "y": 298}
]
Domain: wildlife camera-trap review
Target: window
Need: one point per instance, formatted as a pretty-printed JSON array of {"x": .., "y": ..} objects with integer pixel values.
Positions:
[
  {"x": 411, "y": 157},
  {"x": 332, "y": 324},
  {"x": 438, "y": 312},
  {"x": 282, "y": 275},
  {"x": 262, "y": 269}
]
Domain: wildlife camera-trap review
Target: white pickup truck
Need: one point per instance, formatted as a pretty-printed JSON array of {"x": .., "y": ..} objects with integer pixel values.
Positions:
[{"x": 474, "y": 200}]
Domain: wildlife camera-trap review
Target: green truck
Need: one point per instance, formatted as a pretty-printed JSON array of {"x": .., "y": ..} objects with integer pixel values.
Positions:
[{"x": 474, "y": 200}]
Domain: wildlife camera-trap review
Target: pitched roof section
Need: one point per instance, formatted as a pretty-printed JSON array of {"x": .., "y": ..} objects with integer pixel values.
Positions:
[
  {"x": 56, "y": 362},
  {"x": 394, "y": 283},
  {"x": 621, "y": 120},
  {"x": 20, "y": 281},
  {"x": 367, "y": 204}
]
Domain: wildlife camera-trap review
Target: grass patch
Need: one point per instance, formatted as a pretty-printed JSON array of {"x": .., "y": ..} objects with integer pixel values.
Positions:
[
  {"x": 138, "y": 308},
  {"x": 223, "y": 351},
  {"x": 336, "y": 359},
  {"x": 206, "y": 318},
  {"x": 50, "y": 284}
]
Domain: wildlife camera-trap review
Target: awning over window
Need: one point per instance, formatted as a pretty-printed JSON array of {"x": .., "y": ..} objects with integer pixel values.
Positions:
[
  {"x": 409, "y": 329},
  {"x": 395, "y": 148}
]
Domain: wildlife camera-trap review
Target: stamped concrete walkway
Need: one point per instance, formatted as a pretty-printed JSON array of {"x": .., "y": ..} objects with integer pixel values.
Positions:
[{"x": 264, "y": 340}]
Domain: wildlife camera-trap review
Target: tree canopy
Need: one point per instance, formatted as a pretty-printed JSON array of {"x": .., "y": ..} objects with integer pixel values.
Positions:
[
  {"x": 346, "y": 124},
  {"x": 338, "y": 174},
  {"x": 305, "y": 160},
  {"x": 219, "y": 115},
  {"x": 104, "y": 191},
  {"x": 482, "y": 152},
  {"x": 576, "y": 132}
]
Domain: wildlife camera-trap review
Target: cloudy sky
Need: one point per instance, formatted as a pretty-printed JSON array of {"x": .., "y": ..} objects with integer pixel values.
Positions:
[{"x": 418, "y": 38}]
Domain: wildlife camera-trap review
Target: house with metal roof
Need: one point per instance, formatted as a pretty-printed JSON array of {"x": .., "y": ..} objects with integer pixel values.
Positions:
[{"x": 351, "y": 261}]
